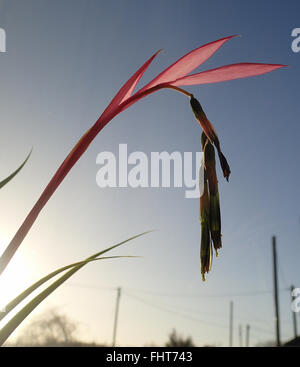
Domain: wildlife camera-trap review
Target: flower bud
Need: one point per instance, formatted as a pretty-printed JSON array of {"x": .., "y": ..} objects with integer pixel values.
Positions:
[
  {"x": 203, "y": 120},
  {"x": 210, "y": 133}
]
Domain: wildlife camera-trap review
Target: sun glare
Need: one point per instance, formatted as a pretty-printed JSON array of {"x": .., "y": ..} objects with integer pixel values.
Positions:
[{"x": 14, "y": 279}]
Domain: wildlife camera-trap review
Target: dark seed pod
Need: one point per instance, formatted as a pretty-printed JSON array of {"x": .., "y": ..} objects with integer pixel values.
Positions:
[
  {"x": 214, "y": 212},
  {"x": 205, "y": 249}
]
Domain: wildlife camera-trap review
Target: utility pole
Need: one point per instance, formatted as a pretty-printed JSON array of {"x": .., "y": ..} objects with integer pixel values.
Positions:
[
  {"x": 116, "y": 316},
  {"x": 294, "y": 314},
  {"x": 240, "y": 335},
  {"x": 247, "y": 335},
  {"x": 231, "y": 324},
  {"x": 276, "y": 302}
]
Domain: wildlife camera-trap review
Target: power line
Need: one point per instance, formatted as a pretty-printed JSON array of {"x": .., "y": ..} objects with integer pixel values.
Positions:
[
  {"x": 189, "y": 295},
  {"x": 240, "y": 335},
  {"x": 294, "y": 314},
  {"x": 231, "y": 324},
  {"x": 247, "y": 342},
  {"x": 223, "y": 316},
  {"x": 167, "y": 310},
  {"x": 276, "y": 298},
  {"x": 179, "y": 295},
  {"x": 95, "y": 288},
  {"x": 116, "y": 316},
  {"x": 181, "y": 314},
  {"x": 92, "y": 287}
]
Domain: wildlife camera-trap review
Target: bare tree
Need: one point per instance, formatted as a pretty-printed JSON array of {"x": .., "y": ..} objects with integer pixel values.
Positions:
[
  {"x": 50, "y": 330},
  {"x": 176, "y": 340}
]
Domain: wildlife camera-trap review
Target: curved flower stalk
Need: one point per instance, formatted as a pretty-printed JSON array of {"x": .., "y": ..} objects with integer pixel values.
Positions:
[
  {"x": 173, "y": 77},
  {"x": 210, "y": 133}
]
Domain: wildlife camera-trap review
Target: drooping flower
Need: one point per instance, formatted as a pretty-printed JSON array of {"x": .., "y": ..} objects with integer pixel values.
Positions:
[
  {"x": 173, "y": 77},
  {"x": 210, "y": 134},
  {"x": 210, "y": 214}
]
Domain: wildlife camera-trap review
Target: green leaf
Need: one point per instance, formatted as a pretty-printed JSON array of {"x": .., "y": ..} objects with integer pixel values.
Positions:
[
  {"x": 10, "y": 177},
  {"x": 12, "y": 304},
  {"x": 6, "y": 331}
]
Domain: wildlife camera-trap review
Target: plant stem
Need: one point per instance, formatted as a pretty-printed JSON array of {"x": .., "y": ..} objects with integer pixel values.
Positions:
[
  {"x": 180, "y": 90},
  {"x": 78, "y": 150}
]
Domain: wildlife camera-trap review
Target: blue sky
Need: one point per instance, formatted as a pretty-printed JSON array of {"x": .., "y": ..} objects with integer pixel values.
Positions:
[{"x": 64, "y": 63}]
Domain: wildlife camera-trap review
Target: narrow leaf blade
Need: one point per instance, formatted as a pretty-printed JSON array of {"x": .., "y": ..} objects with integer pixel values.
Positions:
[
  {"x": 6, "y": 331},
  {"x": 227, "y": 72},
  {"x": 188, "y": 63},
  {"x": 127, "y": 89},
  {"x": 10, "y": 177},
  {"x": 17, "y": 300}
]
